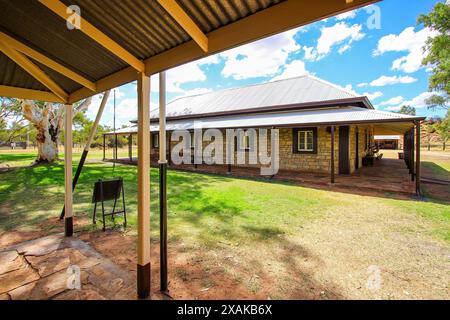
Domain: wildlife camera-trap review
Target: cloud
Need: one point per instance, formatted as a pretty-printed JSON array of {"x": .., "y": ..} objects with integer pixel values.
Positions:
[
  {"x": 386, "y": 80},
  {"x": 419, "y": 101},
  {"x": 407, "y": 41},
  {"x": 346, "y": 15},
  {"x": 294, "y": 69},
  {"x": 262, "y": 58},
  {"x": 393, "y": 101},
  {"x": 310, "y": 53},
  {"x": 340, "y": 33},
  {"x": 374, "y": 95},
  {"x": 362, "y": 85},
  {"x": 344, "y": 48}
]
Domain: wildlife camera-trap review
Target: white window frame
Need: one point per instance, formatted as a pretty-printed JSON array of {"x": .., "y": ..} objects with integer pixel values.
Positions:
[{"x": 304, "y": 134}]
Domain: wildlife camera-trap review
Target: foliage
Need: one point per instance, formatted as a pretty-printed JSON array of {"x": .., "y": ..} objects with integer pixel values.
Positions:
[
  {"x": 407, "y": 110},
  {"x": 442, "y": 128},
  {"x": 12, "y": 124},
  {"x": 438, "y": 49}
]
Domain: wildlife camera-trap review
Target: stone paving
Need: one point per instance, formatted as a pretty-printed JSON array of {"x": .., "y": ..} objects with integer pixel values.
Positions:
[{"x": 41, "y": 269}]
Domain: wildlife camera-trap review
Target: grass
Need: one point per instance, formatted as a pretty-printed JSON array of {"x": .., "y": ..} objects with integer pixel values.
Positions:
[{"x": 203, "y": 209}]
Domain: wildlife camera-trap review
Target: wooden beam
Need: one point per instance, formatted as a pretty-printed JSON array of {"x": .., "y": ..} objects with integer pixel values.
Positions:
[
  {"x": 278, "y": 18},
  {"x": 68, "y": 193},
  {"x": 95, "y": 34},
  {"x": 33, "y": 70},
  {"x": 30, "y": 94},
  {"x": 143, "y": 228},
  {"x": 17, "y": 45},
  {"x": 180, "y": 16},
  {"x": 115, "y": 80}
]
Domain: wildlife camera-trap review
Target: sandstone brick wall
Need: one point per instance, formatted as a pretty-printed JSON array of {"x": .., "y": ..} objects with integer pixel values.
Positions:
[{"x": 320, "y": 162}]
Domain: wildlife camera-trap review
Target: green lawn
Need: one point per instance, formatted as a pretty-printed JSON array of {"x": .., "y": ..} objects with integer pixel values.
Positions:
[{"x": 201, "y": 207}]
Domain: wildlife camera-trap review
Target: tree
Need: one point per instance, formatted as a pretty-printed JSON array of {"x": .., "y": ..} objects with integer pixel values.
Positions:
[
  {"x": 442, "y": 128},
  {"x": 438, "y": 54},
  {"x": 12, "y": 123},
  {"x": 407, "y": 110},
  {"x": 47, "y": 119}
]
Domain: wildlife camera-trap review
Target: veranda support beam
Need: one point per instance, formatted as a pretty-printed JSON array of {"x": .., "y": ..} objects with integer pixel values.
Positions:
[
  {"x": 17, "y": 45},
  {"x": 180, "y": 16},
  {"x": 88, "y": 145},
  {"x": 20, "y": 93},
  {"x": 162, "y": 184},
  {"x": 95, "y": 34},
  {"x": 68, "y": 195},
  {"x": 143, "y": 246},
  {"x": 33, "y": 70}
]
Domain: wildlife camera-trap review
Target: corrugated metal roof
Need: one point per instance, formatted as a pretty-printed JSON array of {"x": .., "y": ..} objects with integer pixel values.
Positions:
[
  {"x": 13, "y": 75},
  {"x": 335, "y": 116},
  {"x": 142, "y": 27},
  {"x": 302, "y": 90},
  {"x": 210, "y": 15}
]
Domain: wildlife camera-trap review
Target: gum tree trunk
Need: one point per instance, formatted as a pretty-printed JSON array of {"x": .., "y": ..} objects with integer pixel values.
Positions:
[{"x": 48, "y": 121}]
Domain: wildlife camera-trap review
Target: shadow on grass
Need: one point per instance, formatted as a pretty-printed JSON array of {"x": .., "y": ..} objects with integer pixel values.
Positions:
[{"x": 433, "y": 170}]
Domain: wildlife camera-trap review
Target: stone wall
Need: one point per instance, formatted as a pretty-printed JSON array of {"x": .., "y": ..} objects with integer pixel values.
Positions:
[{"x": 319, "y": 162}]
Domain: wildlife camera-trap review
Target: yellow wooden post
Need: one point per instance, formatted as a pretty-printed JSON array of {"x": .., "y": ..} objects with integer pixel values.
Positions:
[{"x": 143, "y": 247}]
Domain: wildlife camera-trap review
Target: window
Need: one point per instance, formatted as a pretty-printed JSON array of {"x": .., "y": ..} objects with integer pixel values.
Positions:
[
  {"x": 155, "y": 140},
  {"x": 244, "y": 142},
  {"x": 305, "y": 140}
]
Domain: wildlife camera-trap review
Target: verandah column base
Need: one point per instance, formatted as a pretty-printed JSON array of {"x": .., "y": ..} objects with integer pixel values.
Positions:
[
  {"x": 143, "y": 280},
  {"x": 68, "y": 227}
]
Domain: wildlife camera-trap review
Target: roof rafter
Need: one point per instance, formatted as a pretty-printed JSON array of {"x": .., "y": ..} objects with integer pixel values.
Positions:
[
  {"x": 17, "y": 45},
  {"x": 180, "y": 16},
  {"x": 14, "y": 92},
  {"x": 95, "y": 34},
  {"x": 33, "y": 70}
]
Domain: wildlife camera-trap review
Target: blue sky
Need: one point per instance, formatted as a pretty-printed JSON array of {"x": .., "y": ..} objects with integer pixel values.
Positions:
[{"x": 374, "y": 51}]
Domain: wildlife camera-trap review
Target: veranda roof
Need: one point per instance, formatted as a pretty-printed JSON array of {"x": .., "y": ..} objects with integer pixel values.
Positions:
[
  {"x": 42, "y": 59},
  {"x": 330, "y": 116}
]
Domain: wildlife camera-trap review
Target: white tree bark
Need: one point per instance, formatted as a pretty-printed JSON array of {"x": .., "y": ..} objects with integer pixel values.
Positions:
[{"x": 48, "y": 121}]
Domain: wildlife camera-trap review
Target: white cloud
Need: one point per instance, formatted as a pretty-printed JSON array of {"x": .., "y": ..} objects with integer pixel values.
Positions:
[
  {"x": 393, "y": 101},
  {"x": 419, "y": 101},
  {"x": 262, "y": 58},
  {"x": 386, "y": 80},
  {"x": 126, "y": 110},
  {"x": 178, "y": 76},
  {"x": 409, "y": 41},
  {"x": 340, "y": 33},
  {"x": 362, "y": 85},
  {"x": 349, "y": 88},
  {"x": 346, "y": 15},
  {"x": 374, "y": 95},
  {"x": 310, "y": 53},
  {"x": 344, "y": 48},
  {"x": 294, "y": 69}
]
